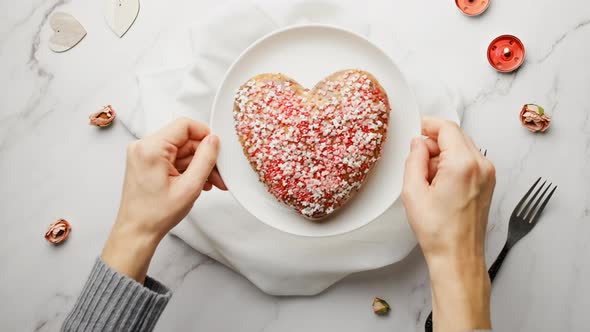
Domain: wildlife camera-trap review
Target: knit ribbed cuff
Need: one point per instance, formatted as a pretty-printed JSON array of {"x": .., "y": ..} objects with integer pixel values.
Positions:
[{"x": 111, "y": 301}]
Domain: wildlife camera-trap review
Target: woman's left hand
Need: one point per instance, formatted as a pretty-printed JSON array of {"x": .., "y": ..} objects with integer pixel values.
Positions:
[{"x": 166, "y": 173}]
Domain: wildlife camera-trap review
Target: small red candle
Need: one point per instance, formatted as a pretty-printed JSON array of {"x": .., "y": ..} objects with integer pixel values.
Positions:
[
  {"x": 506, "y": 53},
  {"x": 472, "y": 7}
]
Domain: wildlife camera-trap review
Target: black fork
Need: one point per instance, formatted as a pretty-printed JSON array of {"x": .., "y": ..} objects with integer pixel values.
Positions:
[{"x": 524, "y": 217}]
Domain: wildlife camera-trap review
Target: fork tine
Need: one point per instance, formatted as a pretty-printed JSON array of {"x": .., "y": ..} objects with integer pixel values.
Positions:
[
  {"x": 529, "y": 213},
  {"x": 537, "y": 214},
  {"x": 525, "y": 211},
  {"x": 485, "y": 152},
  {"x": 519, "y": 205}
]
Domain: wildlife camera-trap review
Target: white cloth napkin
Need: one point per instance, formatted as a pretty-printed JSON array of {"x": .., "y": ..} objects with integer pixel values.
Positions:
[{"x": 181, "y": 78}]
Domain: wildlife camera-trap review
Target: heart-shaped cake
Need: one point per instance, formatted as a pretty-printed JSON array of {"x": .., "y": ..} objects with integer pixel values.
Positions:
[{"x": 313, "y": 149}]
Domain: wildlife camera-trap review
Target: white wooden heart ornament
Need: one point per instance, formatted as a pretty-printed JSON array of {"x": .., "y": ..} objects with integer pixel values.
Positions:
[
  {"x": 120, "y": 15},
  {"x": 68, "y": 32}
]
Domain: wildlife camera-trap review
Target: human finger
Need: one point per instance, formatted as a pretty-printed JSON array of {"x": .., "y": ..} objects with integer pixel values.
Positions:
[
  {"x": 181, "y": 130},
  {"x": 194, "y": 177},
  {"x": 182, "y": 163},
  {"x": 188, "y": 149},
  {"x": 433, "y": 168},
  {"x": 416, "y": 172},
  {"x": 432, "y": 146},
  {"x": 216, "y": 180},
  {"x": 447, "y": 134}
]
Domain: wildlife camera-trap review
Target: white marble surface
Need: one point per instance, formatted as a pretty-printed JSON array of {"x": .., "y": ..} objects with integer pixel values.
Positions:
[{"x": 53, "y": 165}]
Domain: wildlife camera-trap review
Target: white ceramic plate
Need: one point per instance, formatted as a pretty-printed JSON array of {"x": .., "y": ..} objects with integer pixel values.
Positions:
[{"x": 307, "y": 54}]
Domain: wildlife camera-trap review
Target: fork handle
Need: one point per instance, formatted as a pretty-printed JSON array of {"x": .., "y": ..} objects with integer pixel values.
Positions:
[
  {"x": 491, "y": 272},
  {"x": 498, "y": 263},
  {"x": 428, "y": 324}
]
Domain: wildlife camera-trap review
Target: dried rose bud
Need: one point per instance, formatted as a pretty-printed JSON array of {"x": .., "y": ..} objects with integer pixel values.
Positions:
[
  {"x": 534, "y": 118},
  {"x": 380, "y": 307},
  {"x": 104, "y": 117},
  {"x": 58, "y": 231}
]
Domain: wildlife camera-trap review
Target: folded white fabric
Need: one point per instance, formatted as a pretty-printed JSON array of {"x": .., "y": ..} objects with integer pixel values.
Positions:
[{"x": 181, "y": 79}]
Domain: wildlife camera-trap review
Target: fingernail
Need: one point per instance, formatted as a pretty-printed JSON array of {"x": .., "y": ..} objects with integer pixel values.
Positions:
[{"x": 212, "y": 139}]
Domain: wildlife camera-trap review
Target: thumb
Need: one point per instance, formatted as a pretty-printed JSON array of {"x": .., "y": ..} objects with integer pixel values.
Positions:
[
  {"x": 416, "y": 173},
  {"x": 194, "y": 177}
]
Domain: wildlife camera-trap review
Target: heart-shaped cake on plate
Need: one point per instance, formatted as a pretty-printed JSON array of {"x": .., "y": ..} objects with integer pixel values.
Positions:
[{"x": 313, "y": 149}]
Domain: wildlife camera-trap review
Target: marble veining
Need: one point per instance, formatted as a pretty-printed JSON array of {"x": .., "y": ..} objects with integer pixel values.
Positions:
[
  {"x": 561, "y": 39},
  {"x": 53, "y": 165}
]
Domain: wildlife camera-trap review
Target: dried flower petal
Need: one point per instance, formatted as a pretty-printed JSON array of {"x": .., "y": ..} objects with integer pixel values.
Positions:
[
  {"x": 380, "y": 307},
  {"x": 534, "y": 118},
  {"x": 58, "y": 231},
  {"x": 104, "y": 117}
]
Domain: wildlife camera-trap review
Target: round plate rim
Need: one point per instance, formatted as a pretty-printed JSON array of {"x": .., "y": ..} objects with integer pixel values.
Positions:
[{"x": 412, "y": 98}]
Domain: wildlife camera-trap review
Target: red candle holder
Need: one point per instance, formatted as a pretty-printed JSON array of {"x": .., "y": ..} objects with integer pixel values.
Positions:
[
  {"x": 472, "y": 7},
  {"x": 506, "y": 53}
]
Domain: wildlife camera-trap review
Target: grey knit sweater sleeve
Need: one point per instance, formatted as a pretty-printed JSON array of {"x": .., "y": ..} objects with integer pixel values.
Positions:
[{"x": 111, "y": 301}]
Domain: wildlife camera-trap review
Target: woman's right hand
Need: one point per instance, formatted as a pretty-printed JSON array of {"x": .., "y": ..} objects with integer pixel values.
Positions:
[
  {"x": 448, "y": 187},
  {"x": 166, "y": 173}
]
